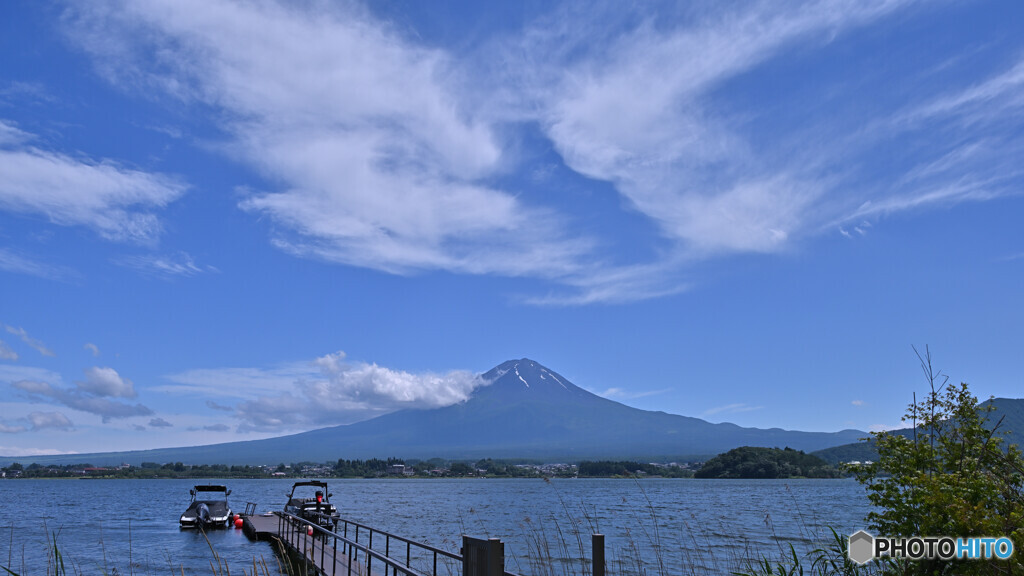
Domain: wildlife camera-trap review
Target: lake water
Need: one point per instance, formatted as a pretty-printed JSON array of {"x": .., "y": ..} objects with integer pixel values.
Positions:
[{"x": 676, "y": 526}]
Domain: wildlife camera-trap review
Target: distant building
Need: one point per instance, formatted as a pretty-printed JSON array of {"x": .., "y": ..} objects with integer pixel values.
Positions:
[{"x": 396, "y": 469}]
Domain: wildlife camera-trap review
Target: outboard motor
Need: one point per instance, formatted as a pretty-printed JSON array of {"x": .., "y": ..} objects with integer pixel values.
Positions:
[{"x": 203, "y": 514}]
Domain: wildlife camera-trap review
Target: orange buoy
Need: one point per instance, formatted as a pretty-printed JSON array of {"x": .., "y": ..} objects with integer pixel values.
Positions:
[
  {"x": 237, "y": 517},
  {"x": 238, "y": 522},
  {"x": 309, "y": 530}
]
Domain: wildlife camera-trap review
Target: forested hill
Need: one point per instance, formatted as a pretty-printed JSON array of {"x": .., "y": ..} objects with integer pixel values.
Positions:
[{"x": 754, "y": 462}]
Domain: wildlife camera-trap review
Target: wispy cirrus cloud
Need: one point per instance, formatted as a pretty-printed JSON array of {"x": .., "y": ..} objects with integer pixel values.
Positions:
[
  {"x": 210, "y": 428},
  {"x": 380, "y": 162},
  {"x": 359, "y": 172},
  {"x": 19, "y": 451},
  {"x": 33, "y": 343},
  {"x": 629, "y": 394},
  {"x": 19, "y": 263},
  {"x": 180, "y": 264},
  {"x": 215, "y": 406},
  {"x": 6, "y": 353},
  {"x": 734, "y": 408},
  {"x": 115, "y": 201},
  {"x": 637, "y": 111}
]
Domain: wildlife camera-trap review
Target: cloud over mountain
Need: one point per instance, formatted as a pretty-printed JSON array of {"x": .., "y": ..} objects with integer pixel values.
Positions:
[{"x": 343, "y": 391}]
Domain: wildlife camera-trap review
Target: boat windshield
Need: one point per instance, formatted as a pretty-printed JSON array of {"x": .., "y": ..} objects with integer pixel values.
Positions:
[
  {"x": 310, "y": 493},
  {"x": 211, "y": 493}
]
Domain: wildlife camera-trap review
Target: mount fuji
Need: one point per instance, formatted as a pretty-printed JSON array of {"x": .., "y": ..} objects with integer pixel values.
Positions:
[{"x": 525, "y": 410}]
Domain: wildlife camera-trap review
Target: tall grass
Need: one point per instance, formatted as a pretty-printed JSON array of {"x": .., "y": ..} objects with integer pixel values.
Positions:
[
  {"x": 558, "y": 545},
  {"x": 57, "y": 564}
]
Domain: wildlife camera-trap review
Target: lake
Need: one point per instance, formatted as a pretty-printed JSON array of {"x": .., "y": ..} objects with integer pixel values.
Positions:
[{"x": 675, "y": 526}]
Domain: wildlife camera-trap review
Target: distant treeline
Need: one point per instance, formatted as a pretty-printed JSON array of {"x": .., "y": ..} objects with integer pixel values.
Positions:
[
  {"x": 145, "y": 470},
  {"x": 607, "y": 468},
  {"x": 344, "y": 468},
  {"x": 750, "y": 462}
]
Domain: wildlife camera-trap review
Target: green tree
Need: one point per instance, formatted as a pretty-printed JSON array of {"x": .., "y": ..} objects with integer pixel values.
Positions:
[
  {"x": 954, "y": 476},
  {"x": 460, "y": 469}
]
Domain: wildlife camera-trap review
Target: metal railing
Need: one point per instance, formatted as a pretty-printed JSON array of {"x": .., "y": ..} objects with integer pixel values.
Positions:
[
  {"x": 423, "y": 551},
  {"x": 302, "y": 536}
]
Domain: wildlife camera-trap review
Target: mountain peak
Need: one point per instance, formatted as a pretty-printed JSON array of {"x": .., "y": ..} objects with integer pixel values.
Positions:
[{"x": 527, "y": 379}]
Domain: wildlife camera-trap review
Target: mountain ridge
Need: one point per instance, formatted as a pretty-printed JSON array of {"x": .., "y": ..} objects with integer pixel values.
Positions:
[
  {"x": 525, "y": 410},
  {"x": 1007, "y": 413}
]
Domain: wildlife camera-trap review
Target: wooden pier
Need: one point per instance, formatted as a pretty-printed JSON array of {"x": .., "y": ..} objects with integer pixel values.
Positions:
[
  {"x": 354, "y": 549},
  {"x": 351, "y": 550},
  {"x": 317, "y": 550}
]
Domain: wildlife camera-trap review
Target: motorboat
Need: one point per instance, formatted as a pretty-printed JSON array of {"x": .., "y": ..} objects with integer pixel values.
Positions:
[
  {"x": 315, "y": 508},
  {"x": 209, "y": 507}
]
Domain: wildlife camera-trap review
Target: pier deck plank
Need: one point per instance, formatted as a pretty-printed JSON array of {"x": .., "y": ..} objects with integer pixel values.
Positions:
[{"x": 266, "y": 528}]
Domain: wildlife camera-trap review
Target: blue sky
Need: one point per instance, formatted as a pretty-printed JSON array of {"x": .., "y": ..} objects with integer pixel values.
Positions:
[{"x": 214, "y": 215}]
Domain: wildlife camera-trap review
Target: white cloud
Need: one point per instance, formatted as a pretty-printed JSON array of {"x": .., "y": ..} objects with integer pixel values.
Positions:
[
  {"x": 636, "y": 112},
  {"x": 27, "y": 92},
  {"x": 20, "y": 451},
  {"x": 159, "y": 423},
  {"x": 10, "y": 374},
  {"x": 627, "y": 395},
  {"x": 10, "y": 134},
  {"x": 858, "y": 403},
  {"x": 348, "y": 392},
  {"x": 179, "y": 264},
  {"x": 38, "y": 421},
  {"x": 379, "y": 161},
  {"x": 92, "y": 348},
  {"x": 381, "y": 152},
  {"x": 12, "y": 261},
  {"x": 6, "y": 353},
  {"x": 37, "y": 345},
  {"x": 106, "y": 382},
  {"x": 116, "y": 202},
  {"x": 91, "y": 395},
  {"x": 238, "y": 383},
  {"x": 735, "y": 408},
  {"x": 211, "y": 428},
  {"x": 987, "y": 101},
  {"x": 342, "y": 391},
  {"x": 41, "y": 420}
]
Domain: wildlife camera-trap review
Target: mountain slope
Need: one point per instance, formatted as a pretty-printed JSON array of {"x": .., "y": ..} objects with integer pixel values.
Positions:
[
  {"x": 1007, "y": 413},
  {"x": 526, "y": 411}
]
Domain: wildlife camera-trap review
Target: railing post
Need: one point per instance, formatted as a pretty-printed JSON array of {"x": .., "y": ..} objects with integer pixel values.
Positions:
[
  {"x": 597, "y": 549},
  {"x": 482, "y": 557}
]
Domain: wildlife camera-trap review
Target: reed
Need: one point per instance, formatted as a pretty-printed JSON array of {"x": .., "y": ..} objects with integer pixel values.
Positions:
[
  {"x": 556, "y": 545},
  {"x": 58, "y": 564}
]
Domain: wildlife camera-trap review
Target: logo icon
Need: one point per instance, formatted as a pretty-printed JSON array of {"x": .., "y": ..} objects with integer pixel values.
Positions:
[{"x": 861, "y": 548}]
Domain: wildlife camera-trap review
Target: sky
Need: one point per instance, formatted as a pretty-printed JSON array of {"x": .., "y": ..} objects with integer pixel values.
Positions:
[{"x": 235, "y": 220}]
